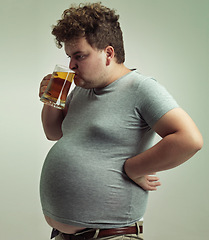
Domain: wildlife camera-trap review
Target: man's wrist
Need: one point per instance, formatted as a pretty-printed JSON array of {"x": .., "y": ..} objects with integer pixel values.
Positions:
[{"x": 131, "y": 170}]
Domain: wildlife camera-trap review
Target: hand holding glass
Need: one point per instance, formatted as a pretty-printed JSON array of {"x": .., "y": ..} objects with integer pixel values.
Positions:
[{"x": 59, "y": 85}]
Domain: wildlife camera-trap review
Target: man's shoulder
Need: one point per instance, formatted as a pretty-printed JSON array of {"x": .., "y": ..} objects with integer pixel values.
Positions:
[{"x": 136, "y": 78}]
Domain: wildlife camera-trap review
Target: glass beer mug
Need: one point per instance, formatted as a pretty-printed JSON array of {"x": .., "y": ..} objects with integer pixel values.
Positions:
[{"x": 59, "y": 85}]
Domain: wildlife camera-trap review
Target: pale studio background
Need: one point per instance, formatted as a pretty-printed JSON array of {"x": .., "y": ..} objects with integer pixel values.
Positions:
[{"x": 163, "y": 38}]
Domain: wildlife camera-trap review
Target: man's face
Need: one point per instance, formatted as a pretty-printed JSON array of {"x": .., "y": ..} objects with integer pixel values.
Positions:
[{"x": 88, "y": 63}]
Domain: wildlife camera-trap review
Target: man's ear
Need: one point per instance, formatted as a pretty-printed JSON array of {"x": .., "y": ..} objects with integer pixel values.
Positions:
[{"x": 110, "y": 54}]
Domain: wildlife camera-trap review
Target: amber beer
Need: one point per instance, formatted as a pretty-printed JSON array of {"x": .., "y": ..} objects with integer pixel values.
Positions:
[{"x": 57, "y": 89}]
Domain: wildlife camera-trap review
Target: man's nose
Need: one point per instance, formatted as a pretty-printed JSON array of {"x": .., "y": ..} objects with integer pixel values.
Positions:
[{"x": 72, "y": 64}]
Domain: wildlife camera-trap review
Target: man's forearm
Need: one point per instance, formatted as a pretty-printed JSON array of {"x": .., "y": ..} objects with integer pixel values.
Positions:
[
  {"x": 170, "y": 152},
  {"x": 52, "y": 119}
]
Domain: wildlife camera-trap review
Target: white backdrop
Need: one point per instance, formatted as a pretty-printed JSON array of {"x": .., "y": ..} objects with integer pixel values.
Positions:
[{"x": 165, "y": 39}]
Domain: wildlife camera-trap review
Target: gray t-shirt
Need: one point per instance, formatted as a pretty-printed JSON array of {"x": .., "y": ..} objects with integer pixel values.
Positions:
[{"x": 83, "y": 182}]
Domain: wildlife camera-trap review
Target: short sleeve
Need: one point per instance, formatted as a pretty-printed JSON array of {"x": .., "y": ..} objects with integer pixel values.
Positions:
[{"x": 153, "y": 101}]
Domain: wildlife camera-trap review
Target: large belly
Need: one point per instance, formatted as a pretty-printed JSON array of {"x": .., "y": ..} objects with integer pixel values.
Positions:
[
  {"x": 80, "y": 186},
  {"x": 75, "y": 183}
]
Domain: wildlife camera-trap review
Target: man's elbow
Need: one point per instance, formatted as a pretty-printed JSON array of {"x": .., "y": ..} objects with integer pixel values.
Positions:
[
  {"x": 52, "y": 133},
  {"x": 196, "y": 142},
  {"x": 199, "y": 144},
  {"x": 54, "y": 136}
]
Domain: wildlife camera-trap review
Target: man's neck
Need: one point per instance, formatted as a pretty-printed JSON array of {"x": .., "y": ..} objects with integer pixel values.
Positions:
[{"x": 117, "y": 71}]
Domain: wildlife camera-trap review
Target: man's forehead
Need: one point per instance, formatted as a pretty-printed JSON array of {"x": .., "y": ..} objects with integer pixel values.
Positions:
[
  {"x": 75, "y": 42},
  {"x": 78, "y": 45}
]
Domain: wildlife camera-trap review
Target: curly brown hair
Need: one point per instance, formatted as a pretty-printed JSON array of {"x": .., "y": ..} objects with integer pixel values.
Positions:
[{"x": 97, "y": 23}]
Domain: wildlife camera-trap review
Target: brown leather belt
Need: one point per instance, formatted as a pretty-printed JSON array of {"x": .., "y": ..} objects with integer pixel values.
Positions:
[{"x": 102, "y": 233}]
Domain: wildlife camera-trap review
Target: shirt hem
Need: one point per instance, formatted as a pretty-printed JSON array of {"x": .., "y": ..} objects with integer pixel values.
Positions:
[{"x": 92, "y": 224}]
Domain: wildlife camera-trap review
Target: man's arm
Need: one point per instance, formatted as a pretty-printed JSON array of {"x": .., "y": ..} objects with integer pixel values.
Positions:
[
  {"x": 181, "y": 139},
  {"x": 52, "y": 118}
]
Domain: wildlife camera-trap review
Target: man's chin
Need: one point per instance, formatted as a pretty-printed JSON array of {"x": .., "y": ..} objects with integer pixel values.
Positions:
[{"x": 80, "y": 82}]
